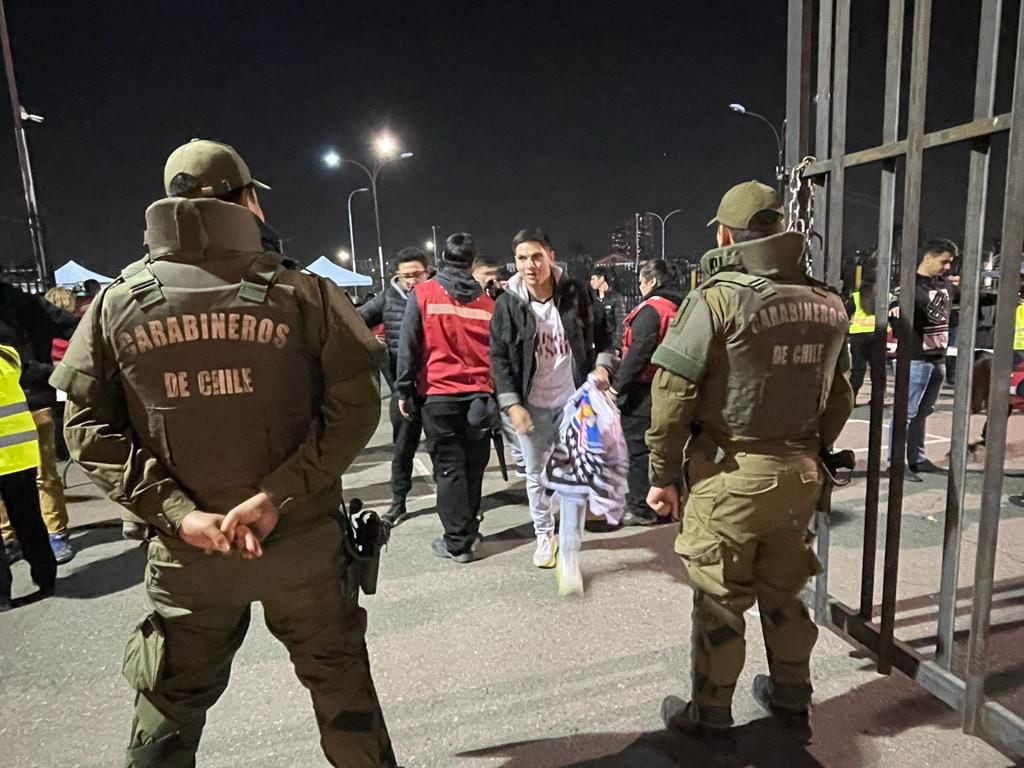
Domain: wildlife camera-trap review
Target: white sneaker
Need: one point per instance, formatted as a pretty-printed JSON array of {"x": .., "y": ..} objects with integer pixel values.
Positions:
[{"x": 546, "y": 554}]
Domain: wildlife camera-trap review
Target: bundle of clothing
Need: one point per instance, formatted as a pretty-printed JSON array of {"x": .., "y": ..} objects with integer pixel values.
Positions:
[{"x": 587, "y": 469}]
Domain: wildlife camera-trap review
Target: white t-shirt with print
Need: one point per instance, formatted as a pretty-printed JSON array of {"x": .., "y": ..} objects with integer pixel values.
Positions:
[{"x": 553, "y": 382}]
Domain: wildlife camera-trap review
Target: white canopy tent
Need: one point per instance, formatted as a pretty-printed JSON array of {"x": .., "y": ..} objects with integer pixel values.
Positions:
[
  {"x": 345, "y": 278},
  {"x": 74, "y": 273}
]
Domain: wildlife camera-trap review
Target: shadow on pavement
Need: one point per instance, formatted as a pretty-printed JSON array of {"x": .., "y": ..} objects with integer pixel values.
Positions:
[
  {"x": 659, "y": 540},
  {"x": 106, "y": 575},
  {"x": 845, "y": 729}
]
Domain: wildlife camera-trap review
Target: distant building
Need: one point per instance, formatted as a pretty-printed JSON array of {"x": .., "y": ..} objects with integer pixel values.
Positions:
[{"x": 624, "y": 241}]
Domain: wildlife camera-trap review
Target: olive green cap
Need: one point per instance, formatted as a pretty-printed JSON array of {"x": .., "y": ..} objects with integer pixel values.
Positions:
[
  {"x": 743, "y": 202},
  {"x": 217, "y": 167}
]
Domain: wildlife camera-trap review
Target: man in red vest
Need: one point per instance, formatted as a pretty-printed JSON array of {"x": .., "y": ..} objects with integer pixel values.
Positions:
[
  {"x": 444, "y": 369},
  {"x": 643, "y": 330}
]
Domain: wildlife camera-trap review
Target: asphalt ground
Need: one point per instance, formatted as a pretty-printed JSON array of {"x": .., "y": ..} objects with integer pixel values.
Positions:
[{"x": 484, "y": 664}]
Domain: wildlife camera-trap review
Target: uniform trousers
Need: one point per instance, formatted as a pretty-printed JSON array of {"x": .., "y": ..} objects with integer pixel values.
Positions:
[
  {"x": 744, "y": 539},
  {"x": 19, "y": 494},
  {"x": 405, "y": 437},
  {"x": 460, "y": 454},
  {"x": 636, "y": 420},
  {"x": 179, "y": 657},
  {"x": 50, "y": 487}
]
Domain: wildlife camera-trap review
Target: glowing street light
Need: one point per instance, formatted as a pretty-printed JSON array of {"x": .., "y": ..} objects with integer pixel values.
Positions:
[
  {"x": 429, "y": 245},
  {"x": 343, "y": 256},
  {"x": 385, "y": 146},
  {"x": 332, "y": 159}
]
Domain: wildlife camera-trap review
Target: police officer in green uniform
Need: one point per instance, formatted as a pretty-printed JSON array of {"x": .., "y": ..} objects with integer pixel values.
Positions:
[
  {"x": 219, "y": 397},
  {"x": 752, "y": 382}
]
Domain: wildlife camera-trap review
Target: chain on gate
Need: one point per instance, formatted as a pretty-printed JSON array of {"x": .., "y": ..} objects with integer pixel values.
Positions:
[{"x": 801, "y": 218}]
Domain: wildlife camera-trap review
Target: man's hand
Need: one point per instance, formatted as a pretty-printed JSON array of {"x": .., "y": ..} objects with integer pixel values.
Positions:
[
  {"x": 601, "y": 378},
  {"x": 520, "y": 418},
  {"x": 664, "y": 501},
  {"x": 403, "y": 409},
  {"x": 249, "y": 523},
  {"x": 203, "y": 531}
]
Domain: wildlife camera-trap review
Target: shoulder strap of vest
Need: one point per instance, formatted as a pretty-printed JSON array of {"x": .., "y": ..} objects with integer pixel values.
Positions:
[
  {"x": 142, "y": 284},
  {"x": 262, "y": 274},
  {"x": 760, "y": 285}
]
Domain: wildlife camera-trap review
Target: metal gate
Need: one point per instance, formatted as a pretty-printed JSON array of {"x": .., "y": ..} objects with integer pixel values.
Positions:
[{"x": 819, "y": 35}]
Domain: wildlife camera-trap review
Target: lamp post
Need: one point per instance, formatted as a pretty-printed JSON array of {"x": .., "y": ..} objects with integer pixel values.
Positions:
[
  {"x": 351, "y": 231},
  {"x": 780, "y": 163},
  {"x": 386, "y": 150},
  {"x": 664, "y": 220}
]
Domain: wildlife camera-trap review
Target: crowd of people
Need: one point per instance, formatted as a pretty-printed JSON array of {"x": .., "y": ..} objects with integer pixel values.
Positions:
[{"x": 728, "y": 396}]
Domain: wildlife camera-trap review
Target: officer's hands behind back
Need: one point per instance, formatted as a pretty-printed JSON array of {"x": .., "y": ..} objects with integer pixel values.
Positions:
[
  {"x": 249, "y": 523},
  {"x": 203, "y": 531}
]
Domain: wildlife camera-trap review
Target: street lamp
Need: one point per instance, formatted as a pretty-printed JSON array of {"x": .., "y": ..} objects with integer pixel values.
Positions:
[
  {"x": 664, "y": 220},
  {"x": 351, "y": 231},
  {"x": 386, "y": 151},
  {"x": 429, "y": 245},
  {"x": 780, "y": 164}
]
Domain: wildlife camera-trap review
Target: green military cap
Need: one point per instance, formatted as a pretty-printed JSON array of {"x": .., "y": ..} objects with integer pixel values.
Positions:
[
  {"x": 217, "y": 169},
  {"x": 743, "y": 202}
]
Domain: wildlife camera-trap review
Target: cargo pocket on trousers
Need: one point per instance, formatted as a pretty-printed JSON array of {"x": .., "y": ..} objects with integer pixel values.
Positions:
[
  {"x": 144, "y": 655},
  {"x": 749, "y": 485}
]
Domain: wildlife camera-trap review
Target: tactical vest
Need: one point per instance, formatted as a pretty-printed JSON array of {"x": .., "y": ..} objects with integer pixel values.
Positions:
[
  {"x": 220, "y": 384},
  {"x": 861, "y": 322},
  {"x": 19, "y": 442},
  {"x": 666, "y": 309},
  {"x": 456, "y": 341},
  {"x": 780, "y": 357}
]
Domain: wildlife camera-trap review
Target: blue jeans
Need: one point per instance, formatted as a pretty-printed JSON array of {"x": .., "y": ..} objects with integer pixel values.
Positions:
[{"x": 926, "y": 377}]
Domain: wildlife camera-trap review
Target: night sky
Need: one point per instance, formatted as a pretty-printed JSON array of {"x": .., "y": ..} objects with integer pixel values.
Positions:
[{"x": 565, "y": 115}]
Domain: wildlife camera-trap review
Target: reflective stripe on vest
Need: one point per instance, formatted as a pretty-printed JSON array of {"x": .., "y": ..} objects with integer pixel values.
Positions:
[
  {"x": 1018, "y": 332},
  {"x": 861, "y": 322},
  {"x": 456, "y": 342},
  {"x": 19, "y": 443},
  {"x": 666, "y": 309}
]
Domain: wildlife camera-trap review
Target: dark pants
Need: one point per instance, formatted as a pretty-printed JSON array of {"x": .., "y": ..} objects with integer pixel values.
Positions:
[
  {"x": 460, "y": 456},
  {"x": 405, "y": 437},
  {"x": 860, "y": 352},
  {"x": 21, "y": 497},
  {"x": 636, "y": 420}
]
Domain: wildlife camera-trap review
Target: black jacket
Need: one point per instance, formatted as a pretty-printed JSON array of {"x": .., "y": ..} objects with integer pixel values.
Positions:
[
  {"x": 646, "y": 326},
  {"x": 614, "y": 307},
  {"x": 514, "y": 336},
  {"x": 461, "y": 286},
  {"x": 30, "y": 323},
  {"x": 387, "y": 307}
]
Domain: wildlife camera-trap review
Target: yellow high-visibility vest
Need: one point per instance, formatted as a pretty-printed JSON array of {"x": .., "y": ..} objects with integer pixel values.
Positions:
[
  {"x": 1018, "y": 331},
  {"x": 19, "y": 442},
  {"x": 861, "y": 322}
]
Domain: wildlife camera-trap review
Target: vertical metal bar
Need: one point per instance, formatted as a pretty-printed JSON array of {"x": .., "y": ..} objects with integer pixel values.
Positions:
[
  {"x": 883, "y": 287},
  {"x": 822, "y": 129},
  {"x": 35, "y": 228},
  {"x": 798, "y": 80},
  {"x": 908, "y": 269},
  {"x": 837, "y": 179},
  {"x": 977, "y": 197},
  {"x": 998, "y": 400}
]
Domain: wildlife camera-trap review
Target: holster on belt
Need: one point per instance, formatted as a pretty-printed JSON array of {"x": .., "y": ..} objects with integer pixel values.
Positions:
[{"x": 365, "y": 536}]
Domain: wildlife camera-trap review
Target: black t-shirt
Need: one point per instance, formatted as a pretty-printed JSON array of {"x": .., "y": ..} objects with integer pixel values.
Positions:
[{"x": 933, "y": 301}]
